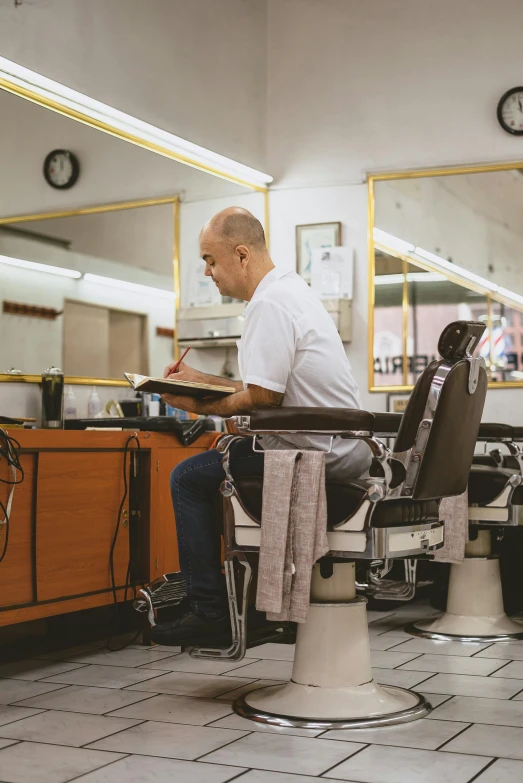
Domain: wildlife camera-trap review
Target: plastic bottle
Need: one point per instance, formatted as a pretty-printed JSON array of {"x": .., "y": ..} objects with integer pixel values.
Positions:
[
  {"x": 154, "y": 405},
  {"x": 70, "y": 411},
  {"x": 94, "y": 405}
]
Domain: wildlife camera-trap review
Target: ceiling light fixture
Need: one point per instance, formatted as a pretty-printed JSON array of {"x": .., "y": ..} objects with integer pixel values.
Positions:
[
  {"x": 391, "y": 241},
  {"x": 136, "y": 288},
  {"x": 31, "y": 85},
  {"x": 33, "y": 266}
]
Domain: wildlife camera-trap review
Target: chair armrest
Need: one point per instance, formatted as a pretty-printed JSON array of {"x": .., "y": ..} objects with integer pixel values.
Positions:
[
  {"x": 327, "y": 420},
  {"x": 387, "y": 423},
  {"x": 495, "y": 431}
]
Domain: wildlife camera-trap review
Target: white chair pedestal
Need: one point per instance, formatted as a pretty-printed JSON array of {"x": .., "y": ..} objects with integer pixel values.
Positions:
[
  {"x": 332, "y": 684},
  {"x": 475, "y": 611}
]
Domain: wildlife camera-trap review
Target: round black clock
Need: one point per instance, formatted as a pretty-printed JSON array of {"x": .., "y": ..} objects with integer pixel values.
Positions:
[
  {"x": 510, "y": 111},
  {"x": 61, "y": 169}
]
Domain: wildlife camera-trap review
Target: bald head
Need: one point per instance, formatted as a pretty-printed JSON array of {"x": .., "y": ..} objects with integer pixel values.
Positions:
[
  {"x": 232, "y": 244},
  {"x": 237, "y": 226}
]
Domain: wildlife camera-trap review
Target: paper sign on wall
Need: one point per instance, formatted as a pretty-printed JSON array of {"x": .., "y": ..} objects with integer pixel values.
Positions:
[
  {"x": 332, "y": 272},
  {"x": 201, "y": 290}
]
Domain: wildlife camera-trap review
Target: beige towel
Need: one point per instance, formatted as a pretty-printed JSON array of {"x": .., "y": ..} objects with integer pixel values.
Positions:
[
  {"x": 454, "y": 512},
  {"x": 293, "y": 532}
]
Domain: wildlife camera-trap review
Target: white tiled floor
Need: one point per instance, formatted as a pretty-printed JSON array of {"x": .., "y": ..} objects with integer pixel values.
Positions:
[{"x": 158, "y": 716}]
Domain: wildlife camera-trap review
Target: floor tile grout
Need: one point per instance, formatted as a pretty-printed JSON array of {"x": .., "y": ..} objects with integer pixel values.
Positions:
[
  {"x": 103, "y": 766},
  {"x": 350, "y": 756},
  {"x": 461, "y": 731},
  {"x": 225, "y": 745},
  {"x": 483, "y": 769}
]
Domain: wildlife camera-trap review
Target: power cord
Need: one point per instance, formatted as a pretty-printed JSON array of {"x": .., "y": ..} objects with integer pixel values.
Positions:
[
  {"x": 128, "y": 576},
  {"x": 10, "y": 450}
]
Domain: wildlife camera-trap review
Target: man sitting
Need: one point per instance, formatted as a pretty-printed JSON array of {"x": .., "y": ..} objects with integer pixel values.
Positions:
[{"x": 290, "y": 354}]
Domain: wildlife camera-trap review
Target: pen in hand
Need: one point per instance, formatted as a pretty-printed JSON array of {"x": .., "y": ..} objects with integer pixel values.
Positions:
[{"x": 180, "y": 360}]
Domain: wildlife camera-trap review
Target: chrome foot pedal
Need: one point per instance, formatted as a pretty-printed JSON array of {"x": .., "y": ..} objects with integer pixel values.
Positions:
[{"x": 167, "y": 590}]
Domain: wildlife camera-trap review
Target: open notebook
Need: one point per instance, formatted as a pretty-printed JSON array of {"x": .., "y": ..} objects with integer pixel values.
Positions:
[{"x": 169, "y": 386}]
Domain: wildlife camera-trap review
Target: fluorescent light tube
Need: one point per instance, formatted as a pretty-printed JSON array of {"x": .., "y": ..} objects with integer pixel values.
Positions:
[
  {"x": 412, "y": 277},
  {"x": 456, "y": 270},
  {"x": 391, "y": 241},
  {"x": 136, "y": 288},
  {"x": 52, "y": 270},
  {"x": 510, "y": 295},
  {"x": 125, "y": 125}
]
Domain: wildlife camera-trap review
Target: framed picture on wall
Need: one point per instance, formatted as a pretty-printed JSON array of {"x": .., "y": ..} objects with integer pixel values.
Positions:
[
  {"x": 312, "y": 236},
  {"x": 397, "y": 403}
]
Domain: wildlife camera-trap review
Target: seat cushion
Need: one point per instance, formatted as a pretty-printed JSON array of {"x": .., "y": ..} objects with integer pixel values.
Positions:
[
  {"x": 508, "y": 461},
  {"x": 343, "y": 500},
  {"x": 486, "y": 483}
]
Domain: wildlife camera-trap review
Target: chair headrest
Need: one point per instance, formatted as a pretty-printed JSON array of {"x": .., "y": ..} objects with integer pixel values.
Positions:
[{"x": 460, "y": 339}]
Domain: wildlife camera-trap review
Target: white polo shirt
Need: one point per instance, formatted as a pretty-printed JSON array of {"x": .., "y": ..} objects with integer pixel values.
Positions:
[{"x": 290, "y": 345}]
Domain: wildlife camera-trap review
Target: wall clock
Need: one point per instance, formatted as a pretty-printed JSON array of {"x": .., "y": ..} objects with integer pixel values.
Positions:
[
  {"x": 510, "y": 111},
  {"x": 61, "y": 169}
]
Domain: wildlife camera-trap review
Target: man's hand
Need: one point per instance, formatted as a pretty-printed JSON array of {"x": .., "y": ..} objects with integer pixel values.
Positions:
[{"x": 183, "y": 373}]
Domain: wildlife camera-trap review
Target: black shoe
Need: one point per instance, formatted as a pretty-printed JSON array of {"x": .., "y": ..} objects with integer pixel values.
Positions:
[{"x": 193, "y": 630}]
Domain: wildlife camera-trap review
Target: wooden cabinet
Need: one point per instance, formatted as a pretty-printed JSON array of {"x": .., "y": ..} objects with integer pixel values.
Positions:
[
  {"x": 64, "y": 518},
  {"x": 17, "y": 585},
  {"x": 77, "y": 504}
]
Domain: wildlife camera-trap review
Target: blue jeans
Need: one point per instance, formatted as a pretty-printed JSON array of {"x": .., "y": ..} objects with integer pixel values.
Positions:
[{"x": 195, "y": 485}]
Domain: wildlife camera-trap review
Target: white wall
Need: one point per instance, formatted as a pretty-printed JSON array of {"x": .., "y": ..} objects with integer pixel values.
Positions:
[
  {"x": 192, "y": 67},
  {"x": 369, "y": 86}
]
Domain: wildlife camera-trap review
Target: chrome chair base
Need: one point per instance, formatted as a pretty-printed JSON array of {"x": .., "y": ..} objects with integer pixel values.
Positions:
[
  {"x": 475, "y": 611},
  {"x": 428, "y": 630},
  {"x": 420, "y": 708}
]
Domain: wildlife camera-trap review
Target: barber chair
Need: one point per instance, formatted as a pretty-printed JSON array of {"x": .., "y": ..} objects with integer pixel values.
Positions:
[
  {"x": 392, "y": 514},
  {"x": 475, "y": 611}
]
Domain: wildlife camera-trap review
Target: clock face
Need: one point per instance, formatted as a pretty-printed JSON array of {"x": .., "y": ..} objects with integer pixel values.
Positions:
[
  {"x": 61, "y": 169},
  {"x": 510, "y": 111}
]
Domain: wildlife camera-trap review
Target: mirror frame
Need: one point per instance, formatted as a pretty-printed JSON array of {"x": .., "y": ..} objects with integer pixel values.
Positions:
[
  {"x": 29, "y": 88},
  {"x": 418, "y": 174}
]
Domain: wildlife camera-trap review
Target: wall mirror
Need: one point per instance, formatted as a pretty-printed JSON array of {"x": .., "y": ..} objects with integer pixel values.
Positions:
[
  {"x": 86, "y": 269},
  {"x": 445, "y": 245}
]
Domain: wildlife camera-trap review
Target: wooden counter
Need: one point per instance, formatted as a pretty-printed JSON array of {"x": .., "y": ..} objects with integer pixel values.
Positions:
[{"x": 64, "y": 517}]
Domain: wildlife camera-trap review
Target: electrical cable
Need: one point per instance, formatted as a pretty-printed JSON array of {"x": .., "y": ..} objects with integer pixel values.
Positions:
[
  {"x": 128, "y": 576},
  {"x": 10, "y": 450}
]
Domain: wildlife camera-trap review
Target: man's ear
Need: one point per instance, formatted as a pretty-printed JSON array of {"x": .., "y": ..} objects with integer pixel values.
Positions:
[{"x": 244, "y": 254}]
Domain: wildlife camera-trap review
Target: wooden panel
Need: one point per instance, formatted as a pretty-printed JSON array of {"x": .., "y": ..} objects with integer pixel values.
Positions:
[
  {"x": 127, "y": 343},
  {"x": 37, "y": 440},
  {"x": 37, "y": 611},
  {"x": 86, "y": 340},
  {"x": 16, "y": 569},
  {"x": 77, "y": 504},
  {"x": 164, "y": 555}
]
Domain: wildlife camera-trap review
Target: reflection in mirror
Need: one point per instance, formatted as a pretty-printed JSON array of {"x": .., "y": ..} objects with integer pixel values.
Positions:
[
  {"x": 103, "y": 302},
  {"x": 446, "y": 248},
  {"x": 118, "y": 314},
  {"x": 388, "y": 320},
  {"x": 435, "y": 302}
]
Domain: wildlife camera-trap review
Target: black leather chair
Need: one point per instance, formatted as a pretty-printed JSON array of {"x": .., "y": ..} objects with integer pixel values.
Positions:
[
  {"x": 475, "y": 610},
  {"x": 392, "y": 514}
]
